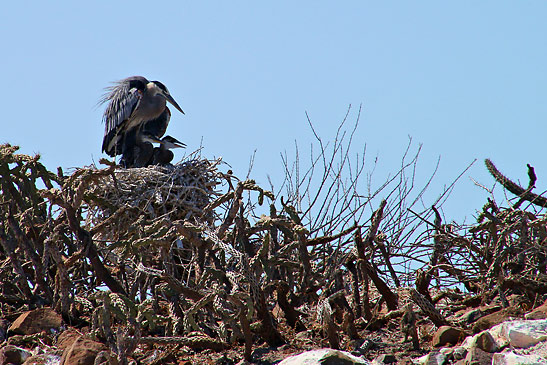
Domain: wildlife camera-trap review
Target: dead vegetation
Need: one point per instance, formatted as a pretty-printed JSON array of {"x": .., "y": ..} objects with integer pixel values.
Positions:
[{"x": 190, "y": 258}]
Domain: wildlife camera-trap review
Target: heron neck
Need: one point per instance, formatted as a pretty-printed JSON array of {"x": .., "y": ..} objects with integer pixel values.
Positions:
[{"x": 153, "y": 106}]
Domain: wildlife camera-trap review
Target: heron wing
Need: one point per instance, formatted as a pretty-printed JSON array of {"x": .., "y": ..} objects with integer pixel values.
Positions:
[{"x": 123, "y": 98}]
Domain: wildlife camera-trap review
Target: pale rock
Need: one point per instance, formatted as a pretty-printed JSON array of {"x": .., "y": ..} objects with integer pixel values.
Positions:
[
  {"x": 510, "y": 358},
  {"x": 489, "y": 341},
  {"x": 522, "y": 333},
  {"x": 446, "y": 351},
  {"x": 539, "y": 349},
  {"x": 43, "y": 359},
  {"x": 433, "y": 358},
  {"x": 323, "y": 356}
]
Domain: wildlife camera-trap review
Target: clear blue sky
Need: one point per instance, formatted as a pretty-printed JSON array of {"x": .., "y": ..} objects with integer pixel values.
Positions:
[{"x": 467, "y": 79}]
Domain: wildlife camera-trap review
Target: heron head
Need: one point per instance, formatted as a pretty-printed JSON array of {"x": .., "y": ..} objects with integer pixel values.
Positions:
[
  {"x": 159, "y": 89},
  {"x": 171, "y": 142}
]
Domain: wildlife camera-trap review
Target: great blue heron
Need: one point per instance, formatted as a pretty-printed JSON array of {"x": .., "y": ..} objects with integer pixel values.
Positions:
[
  {"x": 162, "y": 154},
  {"x": 136, "y": 107}
]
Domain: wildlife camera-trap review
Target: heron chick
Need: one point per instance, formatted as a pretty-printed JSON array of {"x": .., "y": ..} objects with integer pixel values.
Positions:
[
  {"x": 162, "y": 154},
  {"x": 136, "y": 107}
]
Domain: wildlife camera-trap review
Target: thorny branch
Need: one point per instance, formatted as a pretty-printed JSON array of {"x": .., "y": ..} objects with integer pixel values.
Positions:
[{"x": 175, "y": 256}]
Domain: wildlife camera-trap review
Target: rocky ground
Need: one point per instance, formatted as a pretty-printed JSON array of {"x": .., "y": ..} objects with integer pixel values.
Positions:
[
  {"x": 175, "y": 265},
  {"x": 476, "y": 335}
]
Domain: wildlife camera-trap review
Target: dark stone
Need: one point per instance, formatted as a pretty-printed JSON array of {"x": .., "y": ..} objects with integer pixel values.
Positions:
[
  {"x": 447, "y": 335},
  {"x": 10, "y": 354},
  {"x": 83, "y": 351},
  {"x": 471, "y": 316},
  {"x": 538, "y": 312},
  {"x": 386, "y": 359},
  {"x": 485, "y": 342},
  {"x": 36, "y": 321},
  {"x": 4, "y": 324},
  {"x": 67, "y": 338},
  {"x": 495, "y": 318}
]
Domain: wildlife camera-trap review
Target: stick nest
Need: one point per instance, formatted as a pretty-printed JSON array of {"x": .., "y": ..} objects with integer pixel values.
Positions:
[{"x": 179, "y": 192}]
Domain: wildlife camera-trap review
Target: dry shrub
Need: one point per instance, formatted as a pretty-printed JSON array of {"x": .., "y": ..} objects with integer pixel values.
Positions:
[{"x": 179, "y": 255}]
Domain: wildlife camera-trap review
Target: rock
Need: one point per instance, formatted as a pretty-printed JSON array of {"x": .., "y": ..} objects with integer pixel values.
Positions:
[
  {"x": 485, "y": 342},
  {"x": 36, "y": 321},
  {"x": 510, "y": 358},
  {"x": 385, "y": 359},
  {"x": 43, "y": 359},
  {"x": 470, "y": 316},
  {"x": 495, "y": 318},
  {"x": 405, "y": 361},
  {"x": 447, "y": 335},
  {"x": 4, "y": 324},
  {"x": 82, "y": 352},
  {"x": 523, "y": 334},
  {"x": 433, "y": 358},
  {"x": 304, "y": 335},
  {"x": 459, "y": 353},
  {"x": 67, "y": 338},
  {"x": 476, "y": 356},
  {"x": 474, "y": 314},
  {"x": 10, "y": 354},
  {"x": 323, "y": 357},
  {"x": 538, "y": 312}
]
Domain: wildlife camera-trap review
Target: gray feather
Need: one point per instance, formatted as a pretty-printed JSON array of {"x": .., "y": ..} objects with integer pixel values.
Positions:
[{"x": 123, "y": 98}]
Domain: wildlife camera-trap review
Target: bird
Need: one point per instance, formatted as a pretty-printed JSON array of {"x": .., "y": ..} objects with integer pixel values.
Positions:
[
  {"x": 162, "y": 155},
  {"x": 136, "y": 108}
]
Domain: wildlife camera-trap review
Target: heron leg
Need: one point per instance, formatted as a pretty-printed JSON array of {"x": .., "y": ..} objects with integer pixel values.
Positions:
[
  {"x": 128, "y": 150},
  {"x": 128, "y": 158}
]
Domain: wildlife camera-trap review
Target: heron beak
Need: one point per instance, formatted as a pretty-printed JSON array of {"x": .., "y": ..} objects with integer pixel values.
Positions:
[
  {"x": 176, "y": 143},
  {"x": 179, "y": 144},
  {"x": 172, "y": 101}
]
